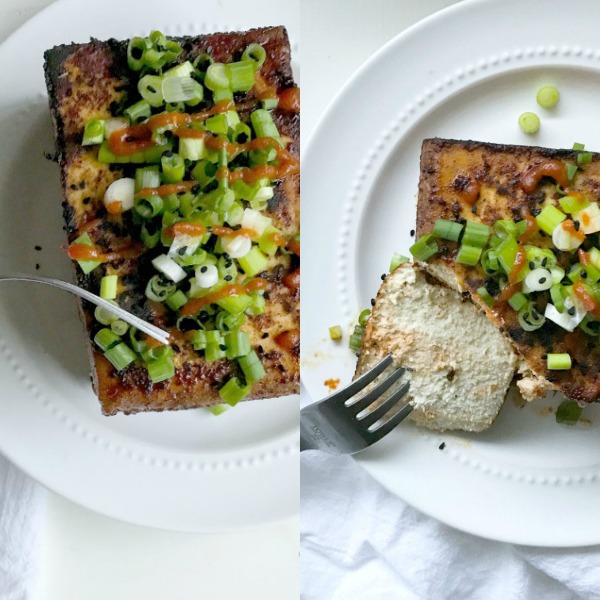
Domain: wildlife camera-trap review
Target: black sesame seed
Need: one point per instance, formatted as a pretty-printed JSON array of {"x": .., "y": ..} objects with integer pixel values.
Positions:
[
  {"x": 576, "y": 224},
  {"x": 168, "y": 153},
  {"x": 86, "y": 200},
  {"x": 73, "y": 186},
  {"x": 265, "y": 335},
  {"x": 228, "y": 278},
  {"x": 542, "y": 280},
  {"x": 152, "y": 89},
  {"x": 474, "y": 209},
  {"x": 38, "y": 248},
  {"x": 442, "y": 445},
  {"x": 225, "y": 256},
  {"x": 228, "y": 264},
  {"x": 536, "y": 211},
  {"x": 168, "y": 134},
  {"x": 531, "y": 265},
  {"x": 383, "y": 277},
  {"x": 182, "y": 250},
  {"x": 372, "y": 301},
  {"x": 37, "y": 267},
  {"x": 203, "y": 269},
  {"x": 223, "y": 347},
  {"x": 545, "y": 261},
  {"x": 412, "y": 233},
  {"x": 571, "y": 311},
  {"x": 81, "y": 185},
  {"x": 583, "y": 275}
]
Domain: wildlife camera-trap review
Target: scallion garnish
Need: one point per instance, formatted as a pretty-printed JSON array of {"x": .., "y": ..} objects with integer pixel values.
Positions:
[
  {"x": 485, "y": 296},
  {"x": 108, "y": 287},
  {"x": 468, "y": 255},
  {"x": 549, "y": 218},
  {"x": 568, "y": 412},
  {"x": 335, "y": 333},
  {"x": 476, "y": 234},
  {"x": 424, "y": 248},
  {"x": 447, "y": 230},
  {"x": 559, "y": 362},
  {"x": 397, "y": 260}
]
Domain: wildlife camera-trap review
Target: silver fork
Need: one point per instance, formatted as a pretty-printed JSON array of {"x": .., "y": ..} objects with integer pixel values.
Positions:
[
  {"x": 156, "y": 332},
  {"x": 341, "y": 424}
]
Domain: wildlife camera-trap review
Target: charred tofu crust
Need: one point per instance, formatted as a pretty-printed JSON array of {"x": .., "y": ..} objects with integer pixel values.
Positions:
[
  {"x": 453, "y": 174},
  {"x": 93, "y": 81}
]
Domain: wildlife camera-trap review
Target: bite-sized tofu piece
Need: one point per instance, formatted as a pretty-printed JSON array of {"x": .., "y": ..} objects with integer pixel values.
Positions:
[{"x": 459, "y": 365}]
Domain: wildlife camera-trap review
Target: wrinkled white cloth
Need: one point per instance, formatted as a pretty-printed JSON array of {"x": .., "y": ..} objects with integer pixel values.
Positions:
[
  {"x": 361, "y": 542},
  {"x": 21, "y": 519}
]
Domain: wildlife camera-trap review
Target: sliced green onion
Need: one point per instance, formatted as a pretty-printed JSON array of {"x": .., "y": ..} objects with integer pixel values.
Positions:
[
  {"x": 87, "y": 266},
  {"x": 254, "y": 262},
  {"x": 572, "y": 204},
  {"x": 529, "y": 318},
  {"x": 150, "y": 240},
  {"x": 590, "y": 326},
  {"x": 241, "y": 75},
  {"x": 489, "y": 262},
  {"x": 173, "y": 167},
  {"x": 575, "y": 271},
  {"x": 521, "y": 228},
  {"x": 517, "y": 301},
  {"x": 238, "y": 344},
  {"x": 161, "y": 369},
  {"x": 105, "y": 339},
  {"x": 335, "y": 333},
  {"x": 138, "y": 112},
  {"x": 233, "y": 391},
  {"x": 364, "y": 316},
  {"x": 204, "y": 172},
  {"x": 577, "y": 146},
  {"x": 181, "y": 89},
  {"x": 154, "y": 59},
  {"x": 147, "y": 177},
  {"x": 548, "y": 96},
  {"x": 252, "y": 367},
  {"x": 540, "y": 257},
  {"x": 447, "y": 230},
  {"x": 93, "y": 132},
  {"x": 214, "y": 352},
  {"x": 198, "y": 340},
  {"x": 356, "y": 339},
  {"x": 504, "y": 228},
  {"x": 571, "y": 171},
  {"x": 217, "y": 77},
  {"x": 568, "y": 412},
  {"x": 234, "y": 322},
  {"x": 584, "y": 158},
  {"x": 529, "y": 123},
  {"x": 549, "y": 218},
  {"x": 120, "y": 356},
  {"x": 424, "y": 248},
  {"x": 485, "y": 296},
  {"x": 257, "y": 307},
  {"x": 263, "y": 124},
  {"x": 217, "y": 124},
  {"x": 235, "y": 304},
  {"x": 397, "y": 259},
  {"x": 119, "y": 327},
  {"x": 468, "y": 255},
  {"x": 172, "y": 50},
  {"x": 176, "y": 300},
  {"x": 559, "y": 362},
  {"x": 148, "y": 206},
  {"x": 159, "y": 289},
  {"x": 104, "y": 316},
  {"x": 150, "y": 89},
  {"x": 476, "y": 234},
  {"x": 255, "y": 53},
  {"x": 192, "y": 148},
  {"x": 108, "y": 287},
  {"x": 136, "y": 50},
  {"x": 507, "y": 253},
  {"x": 558, "y": 296},
  {"x": 106, "y": 156}
]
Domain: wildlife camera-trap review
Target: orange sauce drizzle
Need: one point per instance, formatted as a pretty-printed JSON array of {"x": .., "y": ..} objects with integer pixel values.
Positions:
[
  {"x": 548, "y": 168},
  {"x": 234, "y": 289}
]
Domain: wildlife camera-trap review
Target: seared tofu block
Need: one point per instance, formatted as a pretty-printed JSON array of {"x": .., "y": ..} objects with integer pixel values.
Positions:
[
  {"x": 467, "y": 180},
  {"x": 93, "y": 80}
]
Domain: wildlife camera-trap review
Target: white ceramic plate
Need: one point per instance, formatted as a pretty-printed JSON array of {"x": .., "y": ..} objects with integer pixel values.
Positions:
[
  {"x": 466, "y": 73},
  {"x": 187, "y": 471}
]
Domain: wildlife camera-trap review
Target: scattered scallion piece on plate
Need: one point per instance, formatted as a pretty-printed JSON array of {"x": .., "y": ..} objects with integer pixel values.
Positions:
[
  {"x": 529, "y": 123},
  {"x": 559, "y": 362},
  {"x": 335, "y": 332},
  {"x": 568, "y": 412},
  {"x": 548, "y": 96}
]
